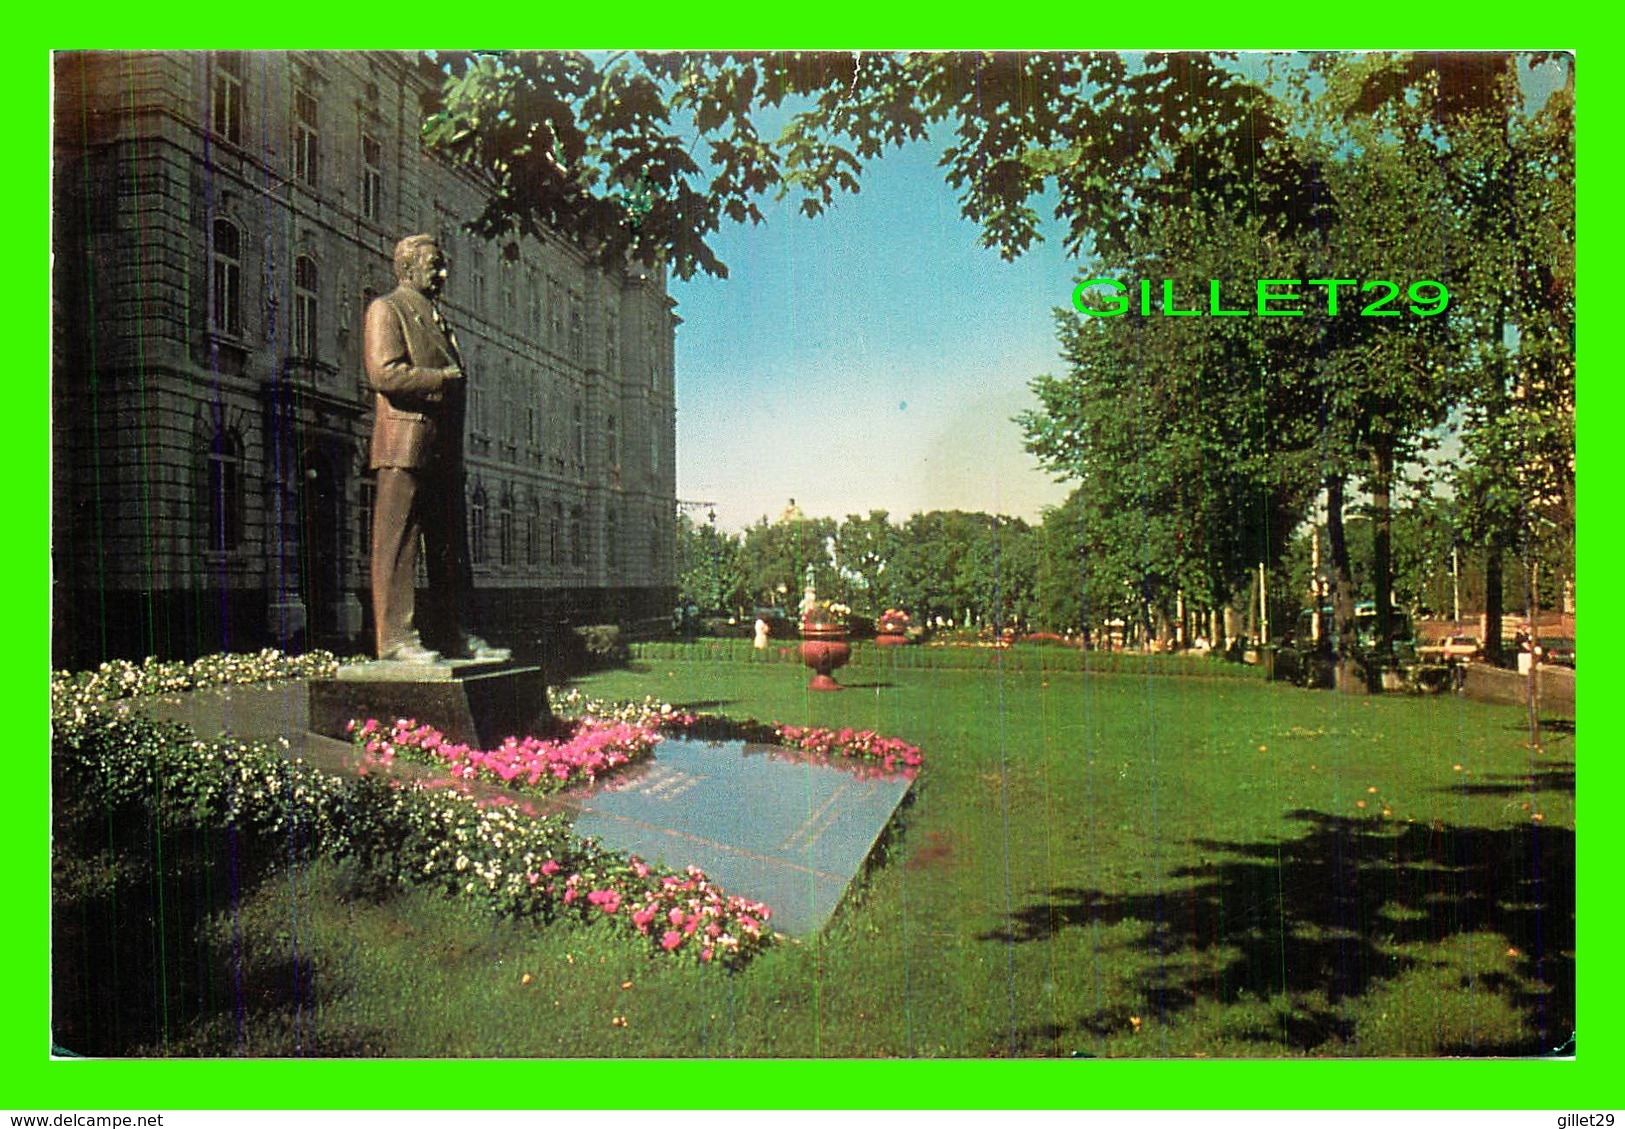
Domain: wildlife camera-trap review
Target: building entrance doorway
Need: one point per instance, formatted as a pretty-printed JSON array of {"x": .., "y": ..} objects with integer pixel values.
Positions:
[{"x": 321, "y": 548}]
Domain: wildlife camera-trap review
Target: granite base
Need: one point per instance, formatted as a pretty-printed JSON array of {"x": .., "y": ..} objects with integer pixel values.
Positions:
[{"x": 476, "y": 704}]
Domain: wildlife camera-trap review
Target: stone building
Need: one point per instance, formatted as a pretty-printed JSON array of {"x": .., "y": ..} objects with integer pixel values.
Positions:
[{"x": 220, "y": 222}]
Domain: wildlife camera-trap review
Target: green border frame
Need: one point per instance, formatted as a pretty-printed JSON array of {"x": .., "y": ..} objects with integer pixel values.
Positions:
[{"x": 37, "y": 1083}]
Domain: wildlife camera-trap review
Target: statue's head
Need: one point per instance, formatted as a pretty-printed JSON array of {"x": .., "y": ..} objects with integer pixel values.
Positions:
[{"x": 420, "y": 264}]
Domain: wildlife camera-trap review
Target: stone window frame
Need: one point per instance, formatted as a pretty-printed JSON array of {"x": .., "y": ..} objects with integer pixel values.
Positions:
[
  {"x": 306, "y": 307},
  {"x": 505, "y": 529},
  {"x": 223, "y": 492},
  {"x": 227, "y": 79},
  {"x": 578, "y": 327},
  {"x": 226, "y": 277},
  {"x": 306, "y": 133},
  {"x": 533, "y": 533},
  {"x": 372, "y": 177},
  {"x": 477, "y": 555}
]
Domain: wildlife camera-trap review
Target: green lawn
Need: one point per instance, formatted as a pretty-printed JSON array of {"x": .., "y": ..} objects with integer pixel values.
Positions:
[{"x": 1093, "y": 864}]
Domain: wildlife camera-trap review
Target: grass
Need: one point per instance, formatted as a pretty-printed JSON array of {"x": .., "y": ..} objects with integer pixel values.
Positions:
[{"x": 1094, "y": 864}]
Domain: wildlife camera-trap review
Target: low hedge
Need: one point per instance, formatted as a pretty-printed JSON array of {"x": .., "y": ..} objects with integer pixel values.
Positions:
[{"x": 1020, "y": 658}]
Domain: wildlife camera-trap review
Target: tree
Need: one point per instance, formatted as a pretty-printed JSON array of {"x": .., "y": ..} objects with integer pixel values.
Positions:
[
  {"x": 710, "y": 572},
  {"x": 775, "y": 557},
  {"x": 1507, "y": 185},
  {"x": 1339, "y": 164},
  {"x": 1188, "y": 437},
  {"x": 864, "y": 550},
  {"x": 1517, "y": 484},
  {"x": 604, "y": 149}
]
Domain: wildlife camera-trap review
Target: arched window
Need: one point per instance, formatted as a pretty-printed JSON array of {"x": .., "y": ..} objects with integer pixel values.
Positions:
[
  {"x": 612, "y": 444},
  {"x": 477, "y": 423},
  {"x": 372, "y": 177},
  {"x": 476, "y": 526},
  {"x": 223, "y": 493},
  {"x": 555, "y": 536},
  {"x": 304, "y": 307},
  {"x": 578, "y": 537},
  {"x": 533, "y": 536},
  {"x": 505, "y": 541},
  {"x": 612, "y": 541},
  {"x": 226, "y": 294}
]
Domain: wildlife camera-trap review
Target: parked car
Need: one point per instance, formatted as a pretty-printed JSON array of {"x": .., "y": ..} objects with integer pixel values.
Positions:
[
  {"x": 1558, "y": 650},
  {"x": 1462, "y": 647},
  {"x": 1455, "y": 648}
]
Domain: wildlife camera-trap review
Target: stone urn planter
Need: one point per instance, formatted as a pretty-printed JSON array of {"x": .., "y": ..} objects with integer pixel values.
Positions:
[
  {"x": 891, "y": 629},
  {"x": 824, "y": 648}
]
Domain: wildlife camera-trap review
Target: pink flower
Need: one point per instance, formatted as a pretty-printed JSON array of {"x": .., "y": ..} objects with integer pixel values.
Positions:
[
  {"x": 670, "y": 940},
  {"x": 550, "y": 867},
  {"x": 675, "y": 917}
]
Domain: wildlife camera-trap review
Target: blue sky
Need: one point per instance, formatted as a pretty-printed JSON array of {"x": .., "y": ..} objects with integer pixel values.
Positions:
[
  {"x": 885, "y": 330},
  {"x": 882, "y": 329}
]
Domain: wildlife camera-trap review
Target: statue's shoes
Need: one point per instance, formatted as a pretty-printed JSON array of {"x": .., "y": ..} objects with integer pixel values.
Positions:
[
  {"x": 410, "y": 652},
  {"x": 476, "y": 648}
]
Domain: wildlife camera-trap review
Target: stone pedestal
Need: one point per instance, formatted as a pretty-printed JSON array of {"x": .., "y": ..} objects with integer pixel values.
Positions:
[{"x": 474, "y": 703}]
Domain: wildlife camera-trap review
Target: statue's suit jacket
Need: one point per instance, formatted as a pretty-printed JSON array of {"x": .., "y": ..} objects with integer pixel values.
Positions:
[{"x": 412, "y": 365}]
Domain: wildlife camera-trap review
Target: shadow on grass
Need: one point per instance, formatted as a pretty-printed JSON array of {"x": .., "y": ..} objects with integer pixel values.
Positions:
[
  {"x": 1345, "y": 910},
  {"x": 868, "y": 685},
  {"x": 704, "y": 704},
  {"x": 1557, "y": 777},
  {"x": 151, "y": 958}
]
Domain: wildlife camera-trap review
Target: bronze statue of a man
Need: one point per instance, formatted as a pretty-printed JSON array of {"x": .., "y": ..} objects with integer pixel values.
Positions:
[{"x": 413, "y": 365}]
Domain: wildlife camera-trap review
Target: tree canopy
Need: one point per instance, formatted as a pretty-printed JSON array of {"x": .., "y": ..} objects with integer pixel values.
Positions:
[{"x": 1198, "y": 445}]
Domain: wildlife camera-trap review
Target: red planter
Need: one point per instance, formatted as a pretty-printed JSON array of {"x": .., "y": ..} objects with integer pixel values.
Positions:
[
  {"x": 824, "y": 648},
  {"x": 895, "y": 638}
]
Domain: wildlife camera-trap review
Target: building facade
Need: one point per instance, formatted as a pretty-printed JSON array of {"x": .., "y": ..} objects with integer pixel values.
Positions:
[{"x": 221, "y": 220}]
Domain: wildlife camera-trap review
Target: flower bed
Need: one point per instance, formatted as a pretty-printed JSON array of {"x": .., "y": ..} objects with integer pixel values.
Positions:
[
  {"x": 144, "y": 776},
  {"x": 121, "y": 678},
  {"x": 140, "y": 773},
  {"x": 594, "y": 747},
  {"x": 525, "y": 866},
  {"x": 889, "y": 753},
  {"x": 606, "y": 736}
]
